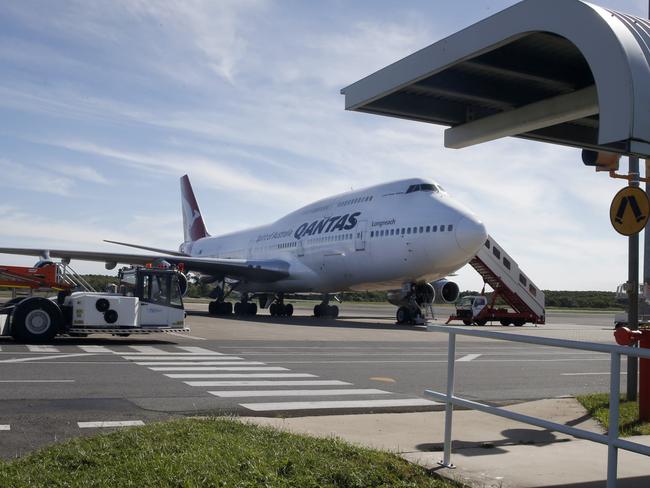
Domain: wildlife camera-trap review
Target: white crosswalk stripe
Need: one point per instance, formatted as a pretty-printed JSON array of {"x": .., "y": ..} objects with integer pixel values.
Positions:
[
  {"x": 198, "y": 350},
  {"x": 407, "y": 402},
  {"x": 301, "y": 393},
  {"x": 240, "y": 375},
  {"x": 217, "y": 368},
  {"x": 200, "y": 363},
  {"x": 110, "y": 423},
  {"x": 97, "y": 349},
  {"x": 36, "y": 348},
  {"x": 269, "y": 383},
  {"x": 5, "y": 427},
  {"x": 179, "y": 357}
]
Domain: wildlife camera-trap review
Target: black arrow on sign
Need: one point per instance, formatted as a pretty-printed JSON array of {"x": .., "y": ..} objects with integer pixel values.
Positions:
[
  {"x": 635, "y": 208},
  {"x": 634, "y": 205}
]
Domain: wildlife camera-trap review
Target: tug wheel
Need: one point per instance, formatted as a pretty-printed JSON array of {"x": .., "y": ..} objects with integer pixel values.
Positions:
[{"x": 36, "y": 319}]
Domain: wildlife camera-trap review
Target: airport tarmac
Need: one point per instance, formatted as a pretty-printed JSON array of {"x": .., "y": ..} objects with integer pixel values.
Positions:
[{"x": 289, "y": 367}]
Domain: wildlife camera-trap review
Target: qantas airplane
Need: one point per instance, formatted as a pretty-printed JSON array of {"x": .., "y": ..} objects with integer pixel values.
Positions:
[{"x": 402, "y": 237}]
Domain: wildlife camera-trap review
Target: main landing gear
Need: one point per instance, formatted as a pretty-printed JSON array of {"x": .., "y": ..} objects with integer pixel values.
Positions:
[
  {"x": 324, "y": 309},
  {"x": 245, "y": 307},
  {"x": 279, "y": 309}
]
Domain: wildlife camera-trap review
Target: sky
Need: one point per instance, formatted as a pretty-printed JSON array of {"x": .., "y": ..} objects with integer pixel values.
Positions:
[{"x": 105, "y": 104}]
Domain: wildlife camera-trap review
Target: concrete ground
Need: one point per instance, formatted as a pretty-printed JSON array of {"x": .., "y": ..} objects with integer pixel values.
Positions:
[{"x": 488, "y": 451}]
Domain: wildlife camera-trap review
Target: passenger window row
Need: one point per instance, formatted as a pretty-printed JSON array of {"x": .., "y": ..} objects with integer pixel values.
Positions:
[
  {"x": 410, "y": 230},
  {"x": 354, "y": 200},
  {"x": 286, "y": 245}
]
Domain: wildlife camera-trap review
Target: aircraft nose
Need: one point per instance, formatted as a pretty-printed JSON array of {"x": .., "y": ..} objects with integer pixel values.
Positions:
[{"x": 470, "y": 234}]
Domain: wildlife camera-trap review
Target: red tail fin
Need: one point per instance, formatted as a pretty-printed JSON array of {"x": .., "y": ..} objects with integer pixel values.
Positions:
[{"x": 193, "y": 226}]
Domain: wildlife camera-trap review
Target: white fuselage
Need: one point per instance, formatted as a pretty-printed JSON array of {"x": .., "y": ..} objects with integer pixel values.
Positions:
[{"x": 377, "y": 238}]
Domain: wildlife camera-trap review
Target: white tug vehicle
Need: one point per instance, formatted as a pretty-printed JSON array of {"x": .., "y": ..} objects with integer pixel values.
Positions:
[{"x": 147, "y": 300}]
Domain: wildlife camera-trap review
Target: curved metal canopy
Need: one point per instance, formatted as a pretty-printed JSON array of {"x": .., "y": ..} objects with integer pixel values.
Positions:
[{"x": 561, "y": 71}]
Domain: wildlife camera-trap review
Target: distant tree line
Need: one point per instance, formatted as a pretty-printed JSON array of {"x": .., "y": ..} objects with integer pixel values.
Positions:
[{"x": 554, "y": 298}]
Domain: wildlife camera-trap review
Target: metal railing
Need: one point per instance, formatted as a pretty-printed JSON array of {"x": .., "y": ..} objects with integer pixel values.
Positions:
[{"x": 611, "y": 439}]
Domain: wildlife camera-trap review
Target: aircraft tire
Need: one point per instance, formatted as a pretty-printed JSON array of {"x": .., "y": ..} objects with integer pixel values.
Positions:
[
  {"x": 288, "y": 310},
  {"x": 317, "y": 310},
  {"x": 251, "y": 308},
  {"x": 36, "y": 319},
  {"x": 333, "y": 311},
  {"x": 403, "y": 315},
  {"x": 481, "y": 322},
  {"x": 273, "y": 310},
  {"x": 211, "y": 308},
  {"x": 467, "y": 322},
  {"x": 227, "y": 308},
  {"x": 505, "y": 322},
  {"x": 519, "y": 322},
  {"x": 238, "y": 308}
]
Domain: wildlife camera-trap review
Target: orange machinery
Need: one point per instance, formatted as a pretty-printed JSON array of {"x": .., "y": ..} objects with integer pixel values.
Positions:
[{"x": 47, "y": 276}]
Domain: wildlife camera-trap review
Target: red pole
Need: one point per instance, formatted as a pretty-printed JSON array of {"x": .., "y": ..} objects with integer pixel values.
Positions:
[{"x": 644, "y": 380}]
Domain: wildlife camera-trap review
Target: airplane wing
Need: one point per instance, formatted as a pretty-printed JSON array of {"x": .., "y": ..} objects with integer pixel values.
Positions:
[{"x": 254, "y": 270}]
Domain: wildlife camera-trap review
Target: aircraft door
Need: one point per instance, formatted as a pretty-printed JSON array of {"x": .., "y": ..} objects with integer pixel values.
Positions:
[{"x": 360, "y": 236}]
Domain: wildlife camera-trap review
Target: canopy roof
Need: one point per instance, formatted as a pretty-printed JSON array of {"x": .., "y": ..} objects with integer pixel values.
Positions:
[{"x": 561, "y": 71}]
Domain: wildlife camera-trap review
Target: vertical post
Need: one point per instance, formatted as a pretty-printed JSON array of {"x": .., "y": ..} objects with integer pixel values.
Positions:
[
  {"x": 612, "y": 431},
  {"x": 449, "y": 407},
  {"x": 644, "y": 380},
  {"x": 633, "y": 291}
]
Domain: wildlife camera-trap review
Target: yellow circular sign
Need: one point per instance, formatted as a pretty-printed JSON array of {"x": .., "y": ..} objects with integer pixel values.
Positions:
[{"x": 629, "y": 211}]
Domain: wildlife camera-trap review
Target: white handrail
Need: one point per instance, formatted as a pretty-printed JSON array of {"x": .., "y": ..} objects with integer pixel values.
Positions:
[{"x": 611, "y": 439}]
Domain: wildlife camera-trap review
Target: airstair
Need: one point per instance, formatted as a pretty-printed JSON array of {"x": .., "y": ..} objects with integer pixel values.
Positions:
[{"x": 501, "y": 272}]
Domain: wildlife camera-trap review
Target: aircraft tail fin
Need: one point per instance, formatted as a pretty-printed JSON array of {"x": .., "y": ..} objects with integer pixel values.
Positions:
[{"x": 193, "y": 225}]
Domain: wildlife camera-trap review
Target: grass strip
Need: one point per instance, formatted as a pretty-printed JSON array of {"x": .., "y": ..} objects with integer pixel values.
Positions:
[
  {"x": 598, "y": 407},
  {"x": 214, "y": 452}
]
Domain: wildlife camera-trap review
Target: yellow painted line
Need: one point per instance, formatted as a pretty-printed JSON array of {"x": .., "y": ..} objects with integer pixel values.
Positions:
[{"x": 383, "y": 379}]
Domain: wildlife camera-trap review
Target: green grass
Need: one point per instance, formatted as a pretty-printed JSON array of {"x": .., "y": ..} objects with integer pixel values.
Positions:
[
  {"x": 213, "y": 452},
  {"x": 598, "y": 407}
]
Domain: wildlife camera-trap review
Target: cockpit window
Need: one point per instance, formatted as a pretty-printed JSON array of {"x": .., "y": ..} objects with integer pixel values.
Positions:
[{"x": 422, "y": 187}]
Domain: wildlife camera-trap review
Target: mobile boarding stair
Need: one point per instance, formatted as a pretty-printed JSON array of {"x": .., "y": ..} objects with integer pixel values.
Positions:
[{"x": 510, "y": 283}]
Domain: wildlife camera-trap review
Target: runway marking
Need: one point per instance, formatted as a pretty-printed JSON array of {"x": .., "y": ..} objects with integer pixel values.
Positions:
[
  {"x": 21, "y": 360},
  {"x": 35, "y": 348},
  {"x": 37, "y": 381},
  {"x": 5, "y": 427},
  {"x": 200, "y": 363},
  {"x": 198, "y": 350},
  {"x": 269, "y": 383},
  {"x": 180, "y": 334},
  {"x": 469, "y": 357},
  {"x": 590, "y": 374},
  {"x": 264, "y": 407},
  {"x": 241, "y": 375},
  {"x": 110, "y": 423},
  {"x": 271, "y": 393},
  {"x": 177, "y": 357},
  {"x": 153, "y": 350},
  {"x": 216, "y": 368},
  {"x": 97, "y": 349}
]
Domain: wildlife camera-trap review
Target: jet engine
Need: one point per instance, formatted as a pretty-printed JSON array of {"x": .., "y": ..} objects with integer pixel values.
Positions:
[{"x": 446, "y": 291}]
